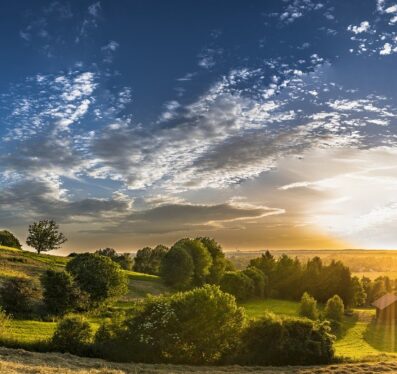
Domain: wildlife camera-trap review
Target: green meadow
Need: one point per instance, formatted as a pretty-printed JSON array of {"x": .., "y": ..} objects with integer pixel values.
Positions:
[{"x": 360, "y": 337}]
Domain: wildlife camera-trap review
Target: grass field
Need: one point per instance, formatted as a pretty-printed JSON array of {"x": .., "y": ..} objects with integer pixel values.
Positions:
[
  {"x": 360, "y": 338},
  {"x": 22, "y": 362}
]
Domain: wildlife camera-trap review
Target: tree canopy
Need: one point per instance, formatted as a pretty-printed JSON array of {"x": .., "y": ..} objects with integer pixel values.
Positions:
[{"x": 45, "y": 236}]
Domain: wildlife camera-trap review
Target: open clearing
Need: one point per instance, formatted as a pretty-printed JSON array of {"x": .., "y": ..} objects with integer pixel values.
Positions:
[{"x": 360, "y": 338}]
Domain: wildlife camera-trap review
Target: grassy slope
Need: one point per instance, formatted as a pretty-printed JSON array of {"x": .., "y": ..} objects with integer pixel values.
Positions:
[
  {"x": 360, "y": 338},
  {"x": 17, "y": 263}
]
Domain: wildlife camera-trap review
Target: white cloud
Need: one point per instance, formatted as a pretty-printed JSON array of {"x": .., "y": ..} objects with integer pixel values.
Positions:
[{"x": 363, "y": 27}]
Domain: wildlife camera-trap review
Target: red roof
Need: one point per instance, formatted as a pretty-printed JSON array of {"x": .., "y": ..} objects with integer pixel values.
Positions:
[{"x": 385, "y": 301}]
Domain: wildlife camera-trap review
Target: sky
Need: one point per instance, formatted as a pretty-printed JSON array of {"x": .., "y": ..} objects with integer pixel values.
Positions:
[{"x": 262, "y": 124}]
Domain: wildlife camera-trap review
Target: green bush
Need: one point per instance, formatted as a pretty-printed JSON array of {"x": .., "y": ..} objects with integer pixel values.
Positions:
[
  {"x": 219, "y": 262},
  {"x": 195, "y": 327},
  {"x": 73, "y": 334},
  {"x": 308, "y": 307},
  {"x": 334, "y": 309},
  {"x": 259, "y": 280},
  {"x": 238, "y": 284},
  {"x": 177, "y": 268},
  {"x": 8, "y": 239},
  {"x": 100, "y": 277},
  {"x": 148, "y": 260},
  {"x": 274, "y": 341},
  {"x": 60, "y": 294},
  {"x": 123, "y": 259},
  {"x": 20, "y": 295}
]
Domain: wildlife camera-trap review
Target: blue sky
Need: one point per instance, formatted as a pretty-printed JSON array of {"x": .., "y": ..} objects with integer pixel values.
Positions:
[{"x": 262, "y": 124}]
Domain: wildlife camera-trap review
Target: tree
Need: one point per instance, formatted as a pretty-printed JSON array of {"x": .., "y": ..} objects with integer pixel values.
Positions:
[
  {"x": 200, "y": 326},
  {"x": 148, "y": 260},
  {"x": 202, "y": 259},
  {"x": 9, "y": 240},
  {"x": 238, "y": 284},
  {"x": 73, "y": 334},
  {"x": 60, "y": 294},
  {"x": 266, "y": 263},
  {"x": 334, "y": 309},
  {"x": 275, "y": 341},
  {"x": 219, "y": 262},
  {"x": 45, "y": 236},
  {"x": 123, "y": 259},
  {"x": 99, "y": 276},
  {"x": 19, "y": 295},
  {"x": 259, "y": 281},
  {"x": 177, "y": 268},
  {"x": 360, "y": 296},
  {"x": 308, "y": 307}
]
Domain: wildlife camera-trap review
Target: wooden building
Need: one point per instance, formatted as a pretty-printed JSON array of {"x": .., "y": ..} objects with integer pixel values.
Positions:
[{"x": 386, "y": 308}]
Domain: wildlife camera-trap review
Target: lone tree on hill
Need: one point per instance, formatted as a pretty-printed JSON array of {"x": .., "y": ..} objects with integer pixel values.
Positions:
[{"x": 45, "y": 236}]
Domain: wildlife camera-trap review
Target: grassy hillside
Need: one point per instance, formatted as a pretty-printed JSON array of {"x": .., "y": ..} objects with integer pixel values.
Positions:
[
  {"x": 360, "y": 338},
  {"x": 23, "y": 264}
]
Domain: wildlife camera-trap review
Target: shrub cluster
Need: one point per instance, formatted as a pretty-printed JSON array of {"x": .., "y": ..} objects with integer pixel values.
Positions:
[
  {"x": 275, "y": 341},
  {"x": 123, "y": 259},
  {"x": 205, "y": 326},
  {"x": 193, "y": 262}
]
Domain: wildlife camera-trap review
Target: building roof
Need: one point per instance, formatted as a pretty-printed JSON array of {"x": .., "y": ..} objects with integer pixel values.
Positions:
[{"x": 385, "y": 301}]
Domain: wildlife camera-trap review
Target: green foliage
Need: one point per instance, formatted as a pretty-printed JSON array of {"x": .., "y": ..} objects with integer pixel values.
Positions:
[
  {"x": 124, "y": 259},
  {"x": 60, "y": 294},
  {"x": 334, "y": 309},
  {"x": 288, "y": 278},
  {"x": 238, "y": 284},
  {"x": 73, "y": 334},
  {"x": 308, "y": 307},
  {"x": 45, "y": 236},
  {"x": 359, "y": 294},
  {"x": 197, "y": 327},
  {"x": 219, "y": 262},
  {"x": 275, "y": 341},
  {"x": 177, "y": 268},
  {"x": 259, "y": 280},
  {"x": 4, "y": 323},
  {"x": 98, "y": 276},
  {"x": 8, "y": 239},
  {"x": 19, "y": 295},
  {"x": 202, "y": 260},
  {"x": 148, "y": 260}
]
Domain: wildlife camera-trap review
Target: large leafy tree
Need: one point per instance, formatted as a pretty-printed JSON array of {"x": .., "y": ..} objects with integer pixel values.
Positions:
[
  {"x": 177, "y": 268},
  {"x": 219, "y": 262},
  {"x": 201, "y": 258},
  {"x": 60, "y": 294},
  {"x": 9, "y": 240},
  {"x": 195, "y": 327},
  {"x": 148, "y": 260},
  {"x": 99, "y": 276},
  {"x": 45, "y": 236}
]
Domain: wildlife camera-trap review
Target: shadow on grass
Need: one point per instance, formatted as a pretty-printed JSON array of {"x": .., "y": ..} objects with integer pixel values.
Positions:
[
  {"x": 382, "y": 336},
  {"x": 340, "y": 330}
]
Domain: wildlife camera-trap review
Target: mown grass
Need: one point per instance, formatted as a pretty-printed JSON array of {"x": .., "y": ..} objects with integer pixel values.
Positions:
[{"x": 257, "y": 308}]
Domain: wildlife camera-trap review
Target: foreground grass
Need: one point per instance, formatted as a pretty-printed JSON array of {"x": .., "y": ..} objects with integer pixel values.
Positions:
[{"x": 22, "y": 362}]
